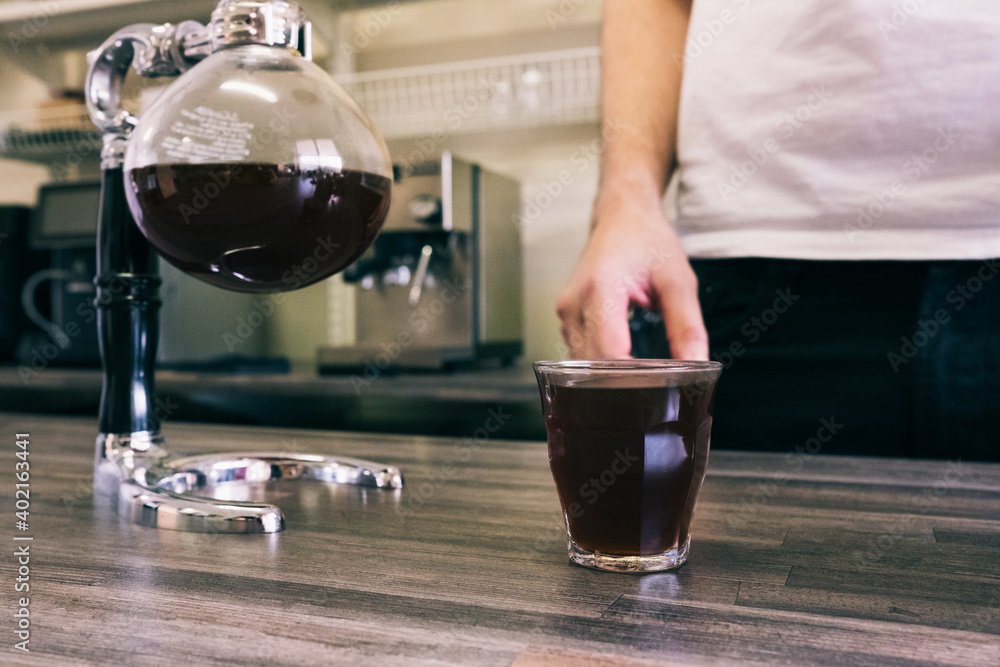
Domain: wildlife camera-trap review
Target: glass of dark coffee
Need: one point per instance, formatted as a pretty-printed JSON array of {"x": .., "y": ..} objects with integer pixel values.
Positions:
[{"x": 628, "y": 448}]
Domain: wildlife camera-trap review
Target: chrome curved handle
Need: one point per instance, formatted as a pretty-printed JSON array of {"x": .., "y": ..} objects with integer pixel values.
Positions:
[
  {"x": 154, "y": 50},
  {"x": 420, "y": 277},
  {"x": 155, "y": 508},
  {"x": 176, "y": 494},
  {"x": 191, "y": 474}
]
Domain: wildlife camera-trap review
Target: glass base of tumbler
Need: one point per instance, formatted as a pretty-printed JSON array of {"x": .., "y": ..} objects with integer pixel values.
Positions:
[{"x": 668, "y": 560}]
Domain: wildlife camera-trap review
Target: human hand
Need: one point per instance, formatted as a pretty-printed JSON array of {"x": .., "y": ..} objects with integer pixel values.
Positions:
[{"x": 634, "y": 257}]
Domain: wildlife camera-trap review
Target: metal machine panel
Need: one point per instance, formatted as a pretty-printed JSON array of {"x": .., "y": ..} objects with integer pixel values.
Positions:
[
  {"x": 500, "y": 302},
  {"x": 441, "y": 285}
]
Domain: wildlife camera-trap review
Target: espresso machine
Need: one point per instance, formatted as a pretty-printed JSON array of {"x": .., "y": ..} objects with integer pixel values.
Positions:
[
  {"x": 253, "y": 172},
  {"x": 441, "y": 285},
  {"x": 62, "y": 227}
]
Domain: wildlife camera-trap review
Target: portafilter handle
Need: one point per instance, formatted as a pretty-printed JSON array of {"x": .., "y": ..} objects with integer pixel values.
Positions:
[{"x": 420, "y": 275}]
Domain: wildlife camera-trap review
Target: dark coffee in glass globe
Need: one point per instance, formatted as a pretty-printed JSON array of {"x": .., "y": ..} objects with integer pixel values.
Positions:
[
  {"x": 254, "y": 171},
  {"x": 258, "y": 227}
]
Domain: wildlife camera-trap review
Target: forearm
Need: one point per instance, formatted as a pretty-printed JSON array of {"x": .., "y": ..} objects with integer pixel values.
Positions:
[
  {"x": 632, "y": 255},
  {"x": 643, "y": 47}
]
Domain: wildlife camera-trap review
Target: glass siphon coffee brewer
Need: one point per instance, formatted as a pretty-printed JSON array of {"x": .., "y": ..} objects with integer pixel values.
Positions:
[{"x": 254, "y": 172}]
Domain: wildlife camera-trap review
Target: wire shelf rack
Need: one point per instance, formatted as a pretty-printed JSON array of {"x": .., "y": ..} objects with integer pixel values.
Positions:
[
  {"x": 525, "y": 90},
  {"x": 520, "y": 91},
  {"x": 51, "y": 135}
]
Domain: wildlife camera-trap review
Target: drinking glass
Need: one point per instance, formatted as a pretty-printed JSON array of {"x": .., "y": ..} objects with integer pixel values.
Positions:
[{"x": 628, "y": 448}]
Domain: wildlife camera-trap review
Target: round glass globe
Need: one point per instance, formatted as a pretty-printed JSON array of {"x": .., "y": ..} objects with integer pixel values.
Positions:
[{"x": 256, "y": 172}]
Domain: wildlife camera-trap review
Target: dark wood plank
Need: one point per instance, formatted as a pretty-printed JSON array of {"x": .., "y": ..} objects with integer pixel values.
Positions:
[
  {"x": 764, "y": 636},
  {"x": 909, "y": 607},
  {"x": 984, "y": 538}
]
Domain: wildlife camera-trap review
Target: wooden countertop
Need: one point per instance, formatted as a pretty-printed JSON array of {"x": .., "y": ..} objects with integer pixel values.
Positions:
[{"x": 795, "y": 559}]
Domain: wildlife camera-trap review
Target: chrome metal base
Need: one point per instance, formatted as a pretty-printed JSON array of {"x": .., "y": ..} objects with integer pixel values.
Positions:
[{"x": 203, "y": 493}]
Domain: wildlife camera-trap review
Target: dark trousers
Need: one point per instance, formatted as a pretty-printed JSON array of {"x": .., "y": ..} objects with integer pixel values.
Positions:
[{"x": 883, "y": 358}]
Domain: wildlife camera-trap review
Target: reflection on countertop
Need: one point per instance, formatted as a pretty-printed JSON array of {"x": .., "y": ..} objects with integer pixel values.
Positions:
[{"x": 458, "y": 403}]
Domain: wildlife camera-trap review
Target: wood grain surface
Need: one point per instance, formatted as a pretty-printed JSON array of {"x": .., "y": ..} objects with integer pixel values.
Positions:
[{"x": 795, "y": 559}]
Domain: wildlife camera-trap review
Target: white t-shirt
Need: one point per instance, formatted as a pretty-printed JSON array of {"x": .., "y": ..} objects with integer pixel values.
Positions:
[{"x": 819, "y": 129}]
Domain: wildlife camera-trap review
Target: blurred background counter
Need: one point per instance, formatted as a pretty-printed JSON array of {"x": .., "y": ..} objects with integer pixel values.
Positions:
[{"x": 494, "y": 403}]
